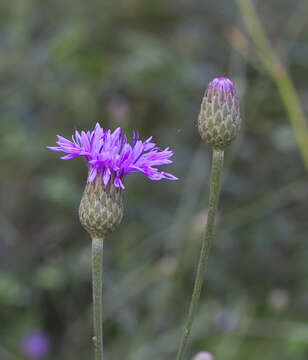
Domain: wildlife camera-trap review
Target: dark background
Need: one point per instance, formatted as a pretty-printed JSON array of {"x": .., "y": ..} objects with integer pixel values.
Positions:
[{"x": 144, "y": 65}]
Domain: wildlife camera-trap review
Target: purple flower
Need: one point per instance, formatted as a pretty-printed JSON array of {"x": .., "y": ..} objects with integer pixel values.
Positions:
[
  {"x": 36, "y": 345},
  {"x": 109, "y": 155}
]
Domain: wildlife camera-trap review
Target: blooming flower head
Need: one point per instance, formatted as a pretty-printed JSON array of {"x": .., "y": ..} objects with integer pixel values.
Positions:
[
  {"x": 219, "y": 119},
  {"x": 36, "y": 345},
  {"x": 110, "y": 156}
]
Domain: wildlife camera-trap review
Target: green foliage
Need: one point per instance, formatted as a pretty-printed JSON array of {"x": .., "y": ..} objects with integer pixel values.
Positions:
[{"x": 144, "y": 65}]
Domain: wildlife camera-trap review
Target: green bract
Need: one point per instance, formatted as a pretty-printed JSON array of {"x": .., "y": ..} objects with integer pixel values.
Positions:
[{"x": 101, "y": 208}]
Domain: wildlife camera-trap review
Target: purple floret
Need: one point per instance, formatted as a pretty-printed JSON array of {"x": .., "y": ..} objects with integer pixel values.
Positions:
[
  {"x": 222, "y": 85},
  {"x": 109, "y": 155}
]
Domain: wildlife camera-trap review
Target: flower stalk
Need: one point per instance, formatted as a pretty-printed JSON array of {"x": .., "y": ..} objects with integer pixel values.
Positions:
[
  {"x": 219, "y": 123},
  {"x": 110, "y": 158},
  {"x": 207, "y": 241},
  {"x": 97, "y": 276}
]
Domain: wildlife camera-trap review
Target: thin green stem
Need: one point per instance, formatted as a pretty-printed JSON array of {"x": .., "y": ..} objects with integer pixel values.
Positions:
[
  {"x": 279, "y": 74},
  {"x": 217, "y": 166},
  {"x": 97, "y": 276}
]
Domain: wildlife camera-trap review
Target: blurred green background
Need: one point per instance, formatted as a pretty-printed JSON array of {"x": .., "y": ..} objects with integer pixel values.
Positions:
[{"x": 144, "y": 64}]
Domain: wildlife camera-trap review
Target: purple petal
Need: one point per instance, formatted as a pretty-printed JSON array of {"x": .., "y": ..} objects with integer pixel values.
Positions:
[
  {"x": 92, "y": 174},
  {"x": 69, "y": 157},
  {"x": 108, "y": 154},
  {"x": 106, "y": 176}
]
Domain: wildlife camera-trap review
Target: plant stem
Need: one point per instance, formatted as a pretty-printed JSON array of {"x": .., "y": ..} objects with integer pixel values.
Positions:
[
  {"x": 97, "y": 275},
  {"x": 279, "y": 74},
  {"x": 217, "y": 166}
]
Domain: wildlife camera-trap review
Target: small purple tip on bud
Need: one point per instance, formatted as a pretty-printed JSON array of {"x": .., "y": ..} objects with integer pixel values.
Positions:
[
  {"x": 203, "y": 355},
  {"x": 219, "y": 119},
  {"x": 36, "y": 345},
  {"x": 221, "y": 85}
]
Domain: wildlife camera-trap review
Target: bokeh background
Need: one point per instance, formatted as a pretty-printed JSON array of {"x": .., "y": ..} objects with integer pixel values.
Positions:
[{"x": 144, "y": 64}]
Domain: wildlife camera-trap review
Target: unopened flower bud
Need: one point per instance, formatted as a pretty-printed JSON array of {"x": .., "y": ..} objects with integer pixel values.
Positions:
[
  {"x": 219, "y": 119},
  {"x": 101, "y": 207}
]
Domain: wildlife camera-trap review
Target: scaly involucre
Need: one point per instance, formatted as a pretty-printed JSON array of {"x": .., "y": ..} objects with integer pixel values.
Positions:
[
  {"x": 109, "y": 155},
  {"x": 219, "y": 119}
]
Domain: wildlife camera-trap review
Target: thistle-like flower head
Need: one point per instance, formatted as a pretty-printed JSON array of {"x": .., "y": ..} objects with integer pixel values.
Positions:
[
  {"x": 219, "y": 119},
  {"x": 110, "y": 156}
]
